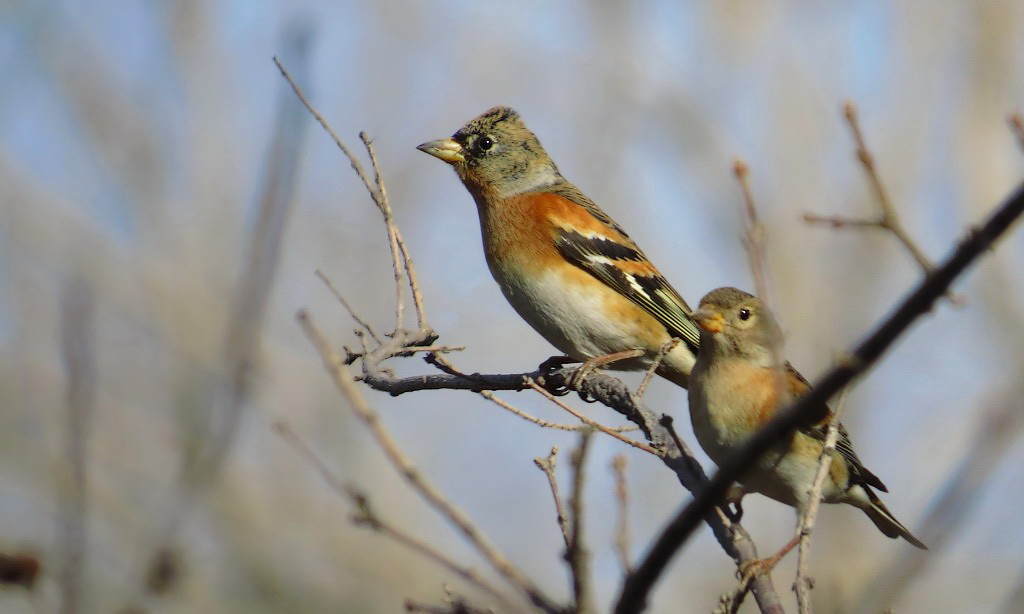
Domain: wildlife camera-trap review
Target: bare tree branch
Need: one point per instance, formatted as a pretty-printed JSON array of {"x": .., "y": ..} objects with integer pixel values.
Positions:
[
  {"x": 400, "y": 260},
  {"x": 888, "y": 218},
  {"x": 347, "y": 386},
  {"x": 634, "y": 593},
  {"x": 610, "y": 391},
  {"x": 548, "y": 467}
]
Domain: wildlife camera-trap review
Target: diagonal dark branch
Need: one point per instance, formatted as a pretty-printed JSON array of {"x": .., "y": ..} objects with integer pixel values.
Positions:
[{"x": 633, "y": 597}]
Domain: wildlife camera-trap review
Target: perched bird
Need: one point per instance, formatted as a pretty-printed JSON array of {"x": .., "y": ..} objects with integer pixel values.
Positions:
[
  {"x": 566, "y": 267},
  {"x": 735, "y": 389}
]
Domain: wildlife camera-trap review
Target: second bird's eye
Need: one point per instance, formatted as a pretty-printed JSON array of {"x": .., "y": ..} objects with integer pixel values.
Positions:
[
  {"x": 485, "y": 143},
  {"x": 744, "y": 314}
]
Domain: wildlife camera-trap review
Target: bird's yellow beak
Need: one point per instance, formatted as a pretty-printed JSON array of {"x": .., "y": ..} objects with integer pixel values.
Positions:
[
  {"x": 709, "y": 319},
  {"x": 447, "y": 150}
]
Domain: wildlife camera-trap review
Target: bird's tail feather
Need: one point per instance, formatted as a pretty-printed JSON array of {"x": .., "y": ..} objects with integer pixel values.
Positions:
[{"x": 887, "y": 523}]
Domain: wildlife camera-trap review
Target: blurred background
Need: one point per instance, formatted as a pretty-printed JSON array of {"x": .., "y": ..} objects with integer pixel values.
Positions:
[{"x": 140, "y": 379}]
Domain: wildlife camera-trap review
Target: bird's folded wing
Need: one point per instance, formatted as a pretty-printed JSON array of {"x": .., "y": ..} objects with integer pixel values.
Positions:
[{"x": 818, "y": 430}]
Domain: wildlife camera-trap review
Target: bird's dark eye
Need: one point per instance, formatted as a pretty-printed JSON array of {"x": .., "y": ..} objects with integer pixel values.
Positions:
[
  {"x": 484, "y": 143},
  {"x": 744, "y": 314}
]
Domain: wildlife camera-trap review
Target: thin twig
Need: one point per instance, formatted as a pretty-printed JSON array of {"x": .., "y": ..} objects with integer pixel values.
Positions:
[
  {"x": 803, "y": 583},
  {"x": 366, "y": 515},
  {"x": 753, "y": 233},
  {"x": 591, "y": 423},
  {"x": 888, "y": 218},
  {"x": 729, "y": 603},
  {"x": 347, "y": 386},
  {"x": 354, "y": 161},
  {"x": 663, "y": 351},
  {"x": 576, "y": 554},
  {"x": 755, "y": 242},
  {"x": 397, "y": 262},
  {"x": 414, "y": 284},
  {"x": 548, "y": 467},
  {"x": 487, "y": 394},
  {"x": 344, "y": 303},
  {"x": 378, "y": 192},
  {"x": 636, "y": 588},
  {"x": 622, "y": 498}
]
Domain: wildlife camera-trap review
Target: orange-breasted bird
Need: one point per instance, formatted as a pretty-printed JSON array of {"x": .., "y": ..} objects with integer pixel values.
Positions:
[
  {"x": 565, "y": 266},
  {"x": 735, "y": 389}
]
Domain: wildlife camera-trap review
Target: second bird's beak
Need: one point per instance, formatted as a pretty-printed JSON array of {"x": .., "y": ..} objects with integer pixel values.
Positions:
[
  {"x": 447, "y": 150},
  {"x": 709, "y": 319}
]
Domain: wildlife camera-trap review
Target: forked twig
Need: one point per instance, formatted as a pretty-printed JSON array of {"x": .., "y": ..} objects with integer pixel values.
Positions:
[
  {"x": 400, "y": 260},
  {"x": 888, "y": 218},
  {"x": 547, "y": 465},
  {"x": 344, "y": 303}
]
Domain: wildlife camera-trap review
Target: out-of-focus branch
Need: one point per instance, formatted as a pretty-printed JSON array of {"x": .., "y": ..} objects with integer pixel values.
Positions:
[
  {"x": 888, "y": 218},
  {"x": 453, "y": 604},
  {"x": 576, "y": 554},
  {"x": 547, "y": 465},
  {"x": 999, "y": 427},
  {"x": 753, "y": 234},
  {"x": 803, "y": 584},
  {"x": 622, "y": 498},
  {"x": 1017, "y": 126},
  {"x": 755, "y": 240},
  {"x": 366, "y": 515},
  {"x": 633, "y": 597},
  {"x": 19, "y": 569},
  {"x": 78, "y": 347},
  {"x": 346, "y": 384}
]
